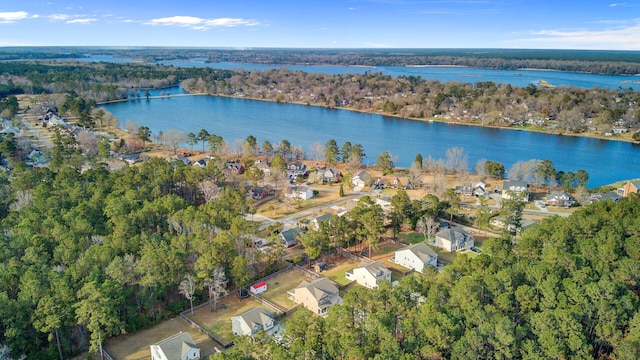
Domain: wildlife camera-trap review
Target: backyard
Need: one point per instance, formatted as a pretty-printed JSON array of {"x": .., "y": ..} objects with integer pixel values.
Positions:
[
  {"x": 337, "y": 270},
  {"x": 277, "y": 288},
  {"x": 136, "y": 346},
  {"x": 219, "y": 321}
]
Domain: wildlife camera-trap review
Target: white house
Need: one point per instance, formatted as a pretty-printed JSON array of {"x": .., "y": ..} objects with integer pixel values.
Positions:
[
  {"x": 316, "y": 221},
  {"x": 520, "y": 188},
  {"x": 416, "y": 257},
  {"x": 252, "y": 321},
  {"x": 560, "y": 198},
  {"x": 299, "y": 192},
  {"x": 177, "y": 347},
  {"x": 361, "y": 179},
  {"x": 258, "y": 288},
  {"x": 454, "y": 239},
  {"x": 369, "y": 274}
]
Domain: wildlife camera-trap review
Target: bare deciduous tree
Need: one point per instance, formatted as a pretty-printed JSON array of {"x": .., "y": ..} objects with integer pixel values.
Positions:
[
  {"x": 216, "y": 287},
  {"x": 187, "y": 288}
]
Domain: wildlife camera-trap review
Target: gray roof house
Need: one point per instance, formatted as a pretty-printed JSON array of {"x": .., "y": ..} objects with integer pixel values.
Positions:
[
  {"x": 454, "y": 239},
  {"x": 516, "y": 187},
  {"x": 289, "y": 237},
  {"x": 369, "y": 274},
  {"x": 252, "y": 321},
  {"x": 416, "y": 257},
  {"x": 317, "y": 295},
  {"x": 560, "y": 198},
  {"x": 177, "y": 347}
]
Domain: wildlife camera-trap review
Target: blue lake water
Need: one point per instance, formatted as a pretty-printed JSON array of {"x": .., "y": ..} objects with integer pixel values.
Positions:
[{"x": 233, "y": 118}]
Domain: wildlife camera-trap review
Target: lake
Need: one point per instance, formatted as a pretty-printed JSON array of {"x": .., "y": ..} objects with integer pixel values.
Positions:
[{"x": 236, "y": 118}]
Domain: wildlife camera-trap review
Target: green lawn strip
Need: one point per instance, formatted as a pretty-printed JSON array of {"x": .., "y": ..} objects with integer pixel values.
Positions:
[
  {"x": 336, "y": 273},
  {"x": 277, "y": 288}
]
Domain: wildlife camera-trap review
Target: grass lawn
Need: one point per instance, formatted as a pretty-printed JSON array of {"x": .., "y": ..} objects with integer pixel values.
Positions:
[
  {"x": 336, "y": 273},
  {"x": 415, "y": 237},
  {"x": 136, "y": 346},
  {"x": 277, "y": 288},
  {"x": 219, "y": 321},
  {"x": 386, "y": 251},
  {"x": 445, "y": 256}
]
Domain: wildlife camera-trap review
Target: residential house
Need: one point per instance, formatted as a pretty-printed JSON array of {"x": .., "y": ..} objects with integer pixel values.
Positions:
[
  {"x": 260, "y": 192},
  {"x": 295, "y": 169},
  {"x": 289, "y": 237},
  {"x": 416, "y": 256},
  {"x": 465, "y": 190},
  {"x": 560, "y": 198},
  {"x": 317, "y": 295},
  {"x": 631, "y": 187},
  {"x": 236, "y": 168},
  {"x": 369, "y": 274},
  {"x": 252, "y": 321},
  {"x": 500, "y": 222},
  {"x": 316, "y": 221},
  {"x": 615, "y": 197},
  {"x": 480, "y": 189},
  {"x": 299, "y": 192},
  {"x": 361, "y": 179},
  {"x": 202, "y": 163},
  {"x": 384, "y": 202},
  {"x": 517, "y": 187},
  {"x": 454, "y": 239},
  {"x": 330, "y": 175},
  {"x": 177, "y": 347},
  {"x": 394, "y": 182},
  {"x": 264, "y": 166}
]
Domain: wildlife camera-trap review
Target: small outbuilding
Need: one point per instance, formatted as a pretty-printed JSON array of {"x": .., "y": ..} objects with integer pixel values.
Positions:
[{"x": 258, "y": 288}]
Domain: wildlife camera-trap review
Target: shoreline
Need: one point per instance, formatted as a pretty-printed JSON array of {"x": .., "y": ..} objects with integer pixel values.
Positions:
[{"x": 428, "y": 120}]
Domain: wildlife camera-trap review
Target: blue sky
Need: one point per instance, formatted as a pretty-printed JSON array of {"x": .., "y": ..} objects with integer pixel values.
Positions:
[{"x": 537, "y": 24}]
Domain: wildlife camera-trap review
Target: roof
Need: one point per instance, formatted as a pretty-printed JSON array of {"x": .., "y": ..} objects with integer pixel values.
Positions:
[
  {"x": 256, "y": 316},
  {"x": 455, "y": 235},
  {"x": 323, "y": 217},
  {"x": 516, "y": 183},
  {"x": 260, "y": 284},
  {"x": 289, "y": 235},
  {"x": 376, "y": 268},
  {"x": 319, "y": 288},
  {"x": 176, "y": 346},
  {"x": 421, "y": 250}
]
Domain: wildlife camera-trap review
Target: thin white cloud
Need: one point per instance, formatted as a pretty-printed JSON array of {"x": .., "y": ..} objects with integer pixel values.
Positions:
[
  {"x": 12, "y": 16},
  {"x": 197, "y": 23},
  {"x": 59, "y": 17},
  {"x": 81, "y": 21},
  {"x": 617, "y": 4},
  {"x": 622, "y": 38}
]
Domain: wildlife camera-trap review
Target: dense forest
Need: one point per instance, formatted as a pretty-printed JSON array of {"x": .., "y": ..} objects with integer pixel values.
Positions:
[
  {"x": 566, "y": 289},
  {"x": 85, "y": 255}
]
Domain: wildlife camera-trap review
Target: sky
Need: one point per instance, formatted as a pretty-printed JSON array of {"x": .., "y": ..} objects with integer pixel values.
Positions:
[{"x": 525, "y": 24}]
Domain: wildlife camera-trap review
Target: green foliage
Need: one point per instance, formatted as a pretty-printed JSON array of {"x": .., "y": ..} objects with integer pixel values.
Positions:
[
  {"x": 384, "y": 162},
  {"x": 495, "y": 169},
  {"x": 331, "y": 154}
]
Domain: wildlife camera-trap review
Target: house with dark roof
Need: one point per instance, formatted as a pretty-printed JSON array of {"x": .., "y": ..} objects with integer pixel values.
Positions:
[
  {"x": 454, "y": 239},
  {"x": 317, "y": 295},
  {"x": 361, "y": 179},
  {"x": 177, "y": 347},
  {"x": 253, "y": 320},
  {"x": 316, "y": 221},
  {"x": 615, "y": 197},
  {"x": 369, "y": 274},
  {"x": 295, "y": 169},
  {"x": 330, "y": 175},
  {"x": 416, "y": 257},
  {"x": 289, "y": 237}
]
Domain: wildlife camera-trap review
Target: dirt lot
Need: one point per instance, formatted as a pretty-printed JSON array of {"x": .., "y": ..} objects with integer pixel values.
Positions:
[{"x": 136, "y": 346}]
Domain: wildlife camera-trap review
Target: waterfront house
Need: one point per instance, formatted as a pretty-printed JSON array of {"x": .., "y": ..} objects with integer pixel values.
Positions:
[
  {"x": 317, "y": 295},
  {"x": 330, "y": 175},
  {"x": 361, "y": 179},
  {"x": 416, "y": 257},
  {"x": 613, "y": 196},
  {"x": 560, "y": 198},
  {"x": 295, "y": 169},
  {"x": 252, "y": 321},
  {"x": 369, "y": 274},
  {"x": 631, "y": 187},
  {"x": 177, "y": 347},
  {"x": 517, "y": 187},
  {"x": 454, "y": 239}
]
